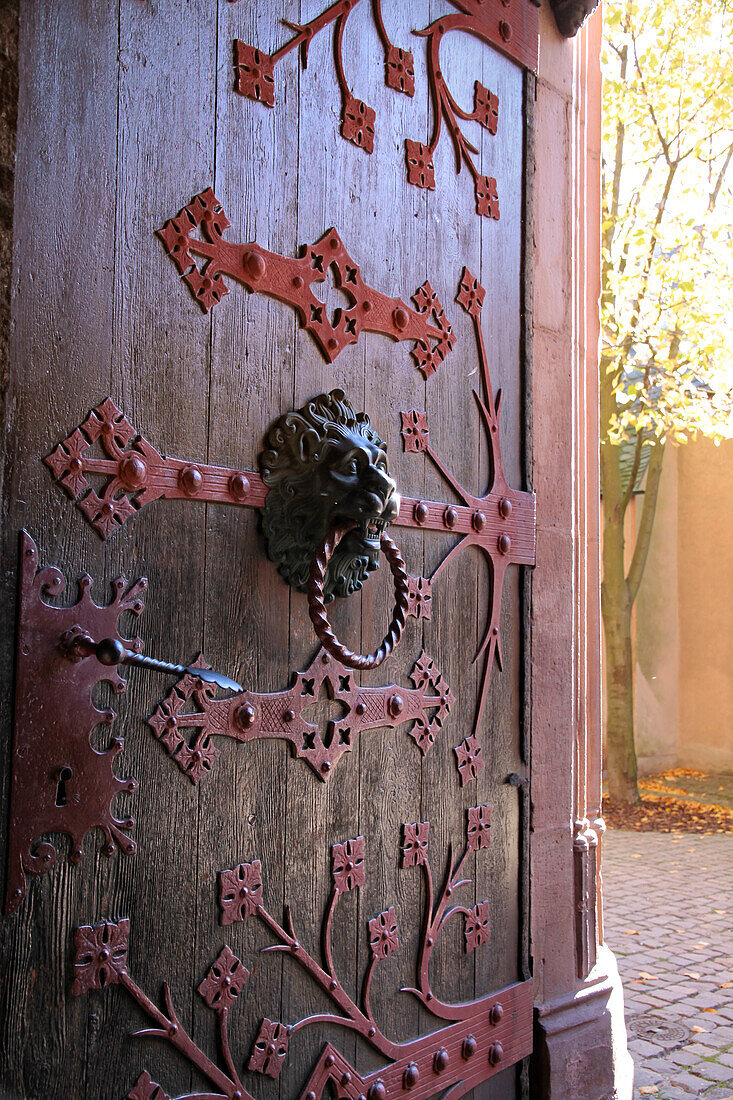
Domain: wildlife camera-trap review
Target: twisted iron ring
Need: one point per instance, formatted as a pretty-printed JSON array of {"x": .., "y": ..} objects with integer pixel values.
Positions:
[{"x": 317, "y": 608}]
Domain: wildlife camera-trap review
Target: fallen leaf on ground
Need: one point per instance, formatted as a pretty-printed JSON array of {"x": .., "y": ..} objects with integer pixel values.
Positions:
[
  {"x": 648, "y": 1090},
  {"x": 720, "y": 911},
  {"x": 631, "y": 932},
  {"x": 661, "y": 813},
  {"x": 726, "y": 985},
  {"x": 696, "y": 1028},
  {"x": 692, "y": 974},
  {"x": 713, "y": 1010},
  {"x": 647, "y": 977}
]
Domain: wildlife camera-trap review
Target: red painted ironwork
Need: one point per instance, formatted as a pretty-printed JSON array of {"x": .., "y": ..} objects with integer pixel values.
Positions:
[
  {"x": 60, "y": 784},
  {"x": 420, "y": 168},
  {"x": 478, "y": 1039},
  {"x": 514, "y": 32},
  {"x": 469, "y": 758},
  {"x": 254, "y": 71},
  {"x": 501, "y": 523},
  {"x": 317, "y": 607},
  {"x": 283, "y": 715},
  {"x": 291, "y": 280}
]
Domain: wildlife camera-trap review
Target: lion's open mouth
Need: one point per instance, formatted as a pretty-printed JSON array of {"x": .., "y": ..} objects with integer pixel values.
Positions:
[{"x": 371, "y": 529}]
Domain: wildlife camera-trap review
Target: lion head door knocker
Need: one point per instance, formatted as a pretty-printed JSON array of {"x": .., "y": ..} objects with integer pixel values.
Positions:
[{"x": 330, "y": 501}]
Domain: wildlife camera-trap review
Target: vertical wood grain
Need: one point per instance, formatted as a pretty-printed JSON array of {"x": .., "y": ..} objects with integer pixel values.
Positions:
[{"x": 126, "y": 111}]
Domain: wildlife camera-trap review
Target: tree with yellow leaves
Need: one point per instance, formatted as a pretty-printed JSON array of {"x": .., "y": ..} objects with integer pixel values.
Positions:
[{"x": 666, "y": 367}]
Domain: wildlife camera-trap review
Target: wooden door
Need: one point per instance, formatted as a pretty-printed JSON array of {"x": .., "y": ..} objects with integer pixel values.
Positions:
[{"x": 127, "y": 111}]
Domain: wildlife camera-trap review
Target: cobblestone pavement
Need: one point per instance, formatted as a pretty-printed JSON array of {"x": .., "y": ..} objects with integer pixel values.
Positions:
[{"x": 668, "y": 916}]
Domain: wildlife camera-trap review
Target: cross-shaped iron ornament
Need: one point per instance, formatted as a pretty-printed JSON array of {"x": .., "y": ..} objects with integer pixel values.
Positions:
[
  {"x": 291, "y": 281},
  {"x": 501, "y": 523},
  {"x": 250, "y": 716}
]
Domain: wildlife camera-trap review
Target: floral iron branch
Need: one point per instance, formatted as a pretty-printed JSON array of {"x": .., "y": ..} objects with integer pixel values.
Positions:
[
  {"x": 255, "y": 71},
  {"x": 100, "y": 960},
  {"x": 250, "y": 716},
  {"x": 476, "y": 920},
  {"x": 420, "y": 167},
  {"x": 514, "y": 34},
  {"x": 482, "y": 1037},
  {"x": 498, "y": 502}
]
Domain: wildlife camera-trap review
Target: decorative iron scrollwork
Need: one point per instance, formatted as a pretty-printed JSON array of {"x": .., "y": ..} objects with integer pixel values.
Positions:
[
  {"x": 514, "y": 31},
  {"x": 480, "y": 1037}
]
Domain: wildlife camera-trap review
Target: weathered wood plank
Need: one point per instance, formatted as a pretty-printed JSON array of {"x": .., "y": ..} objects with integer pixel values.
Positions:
[{"x": 61, "y": 334}]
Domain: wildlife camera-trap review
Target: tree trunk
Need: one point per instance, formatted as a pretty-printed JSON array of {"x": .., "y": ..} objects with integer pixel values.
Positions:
[
  {"x": 620, "y": 748},
  {"x": 616, "y": 604}
]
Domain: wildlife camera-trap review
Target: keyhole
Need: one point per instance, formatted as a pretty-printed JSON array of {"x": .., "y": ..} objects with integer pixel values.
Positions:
[
  {"x": 334, "y": 299},
  {"x": 64, "y": 777}
]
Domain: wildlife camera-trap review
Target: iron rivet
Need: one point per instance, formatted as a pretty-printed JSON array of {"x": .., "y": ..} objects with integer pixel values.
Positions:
[
  {"x": 310, "y": 1096},
  {"x": 497, "y": 1013},
  {"x": 173, "y": 1029},
  {"x": 400, "y": 318},
  {"x": 505, "y": 30},
  {"x": 470, "y": 1046},
  {"x": 496, "y": 1053},
  {"x": 75, "y": 465},
  {"x": 495, "y": 630},
  {"x": 359, "y": 708},
  {"x": 505, "y": 507},
  {"x": 450, "y": 515},
  {"x": 441, "y": 1060},
  {"x": 297, "y": 282},
  {"x": 377, "y": 1091},
  {"x": 395, "y": 705},
  {"x": 372, "y": 1032},
  {"x": 330, "y": 1060},
  {"x": 478, "y": 521},
  {"x": 504, "y": 543},
  {"x": 333, "y": 244},
  {"x": 345, "y": 1078},
  {"x": 334, "y": 985},
  {"x": 295, "y": 946},
  {"x": 430, "y": 941},
  {"x": 326, "y": 766},
  {"x": 244, "y": 716},
  {"x": 366, "y": 306},
  {"x": 421, "y": 512},
  {"x": 239, "y": 486},
  {"x": 324, "y": 658},
  {"x": 428, "y": 996},
  {"x": 190, "y": 480},
  {"x": 254, "y": 264},
  {"x": 411, "y": 1076},
  {"x": 288, "y": 715},
  {"x": 449, "y": 891}
]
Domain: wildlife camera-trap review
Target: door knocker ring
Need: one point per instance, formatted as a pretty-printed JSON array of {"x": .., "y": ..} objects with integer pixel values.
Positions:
[{"x": 317, "y": 607}]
